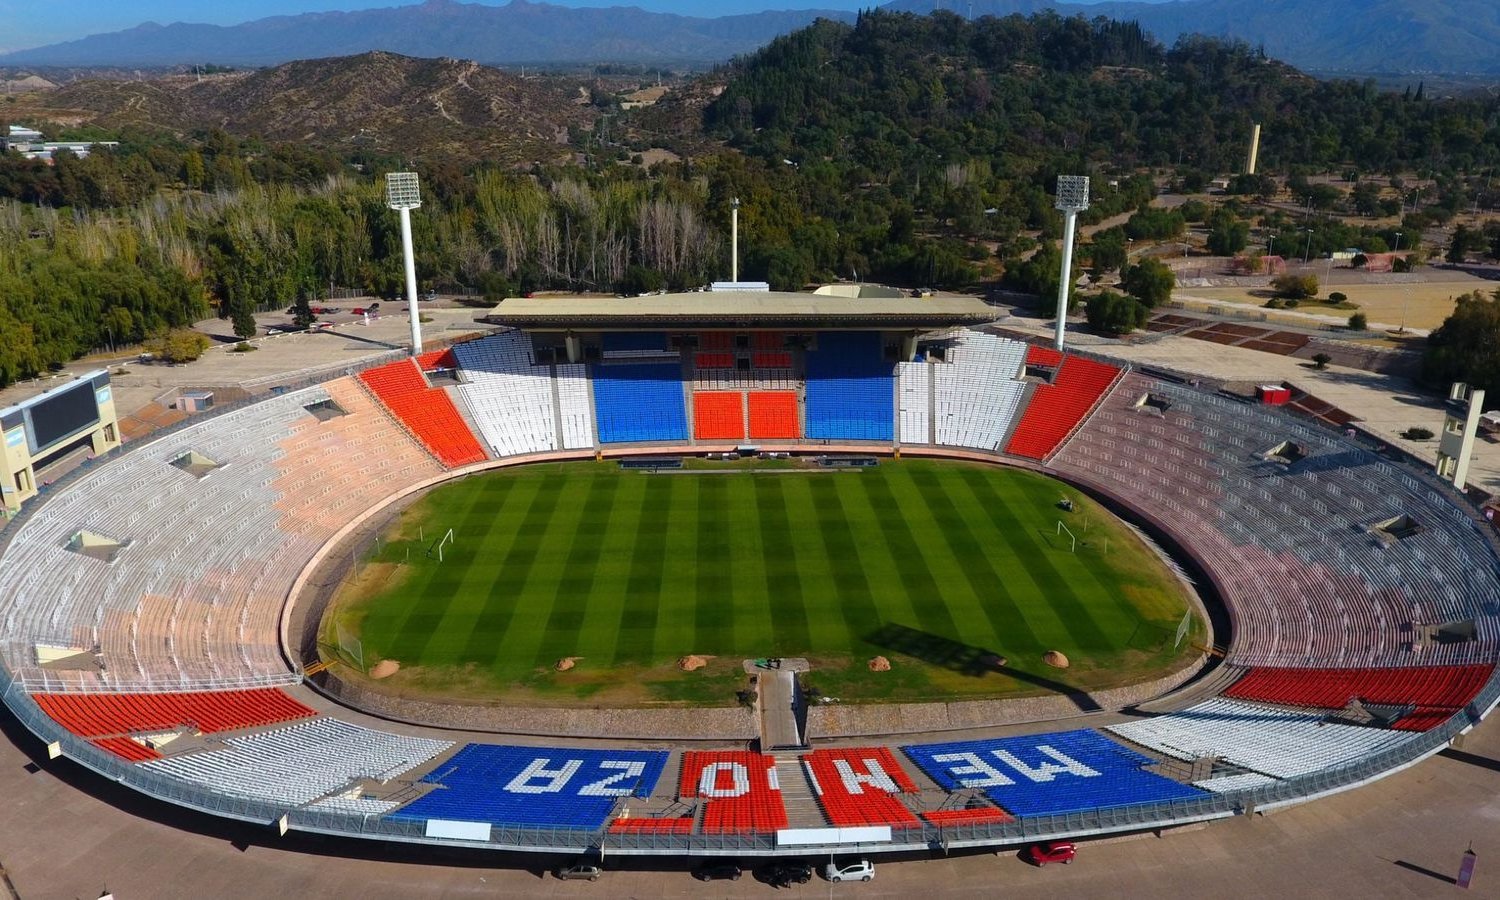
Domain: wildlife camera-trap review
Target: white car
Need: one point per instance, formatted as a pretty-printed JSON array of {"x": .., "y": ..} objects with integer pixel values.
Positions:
[{"x": 863, "y": 870}]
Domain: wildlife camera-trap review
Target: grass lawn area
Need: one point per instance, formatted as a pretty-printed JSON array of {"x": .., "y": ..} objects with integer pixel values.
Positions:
[{"x": 935, "y": 565}]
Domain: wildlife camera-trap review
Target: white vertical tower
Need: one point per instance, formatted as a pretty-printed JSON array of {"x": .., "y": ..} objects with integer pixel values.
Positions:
[
  {"x": 1460, "y": 428},
  {"x": 1072, "y": 199},
  {"x": 404, "y": 194},
  {"x": 734, "y": 241}
]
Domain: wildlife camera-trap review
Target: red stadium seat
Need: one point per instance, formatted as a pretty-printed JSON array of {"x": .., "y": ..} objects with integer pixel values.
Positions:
[
  {"x": 976, "y": 816},
  {"x": 741, "y": 792},
  {"x": 1437, "y": 691},
  {"x": 427, "y": 412},
  {"x": 1057, "y": 408},
  {"x": 861, "y": 786},
  {"x": 115, "y": 715},
  {"x": 719, "y": 416},
  {"x": 773, "y": 414}
]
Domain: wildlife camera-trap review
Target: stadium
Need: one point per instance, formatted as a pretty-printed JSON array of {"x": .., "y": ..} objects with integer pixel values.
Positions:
[{"x": 165, "y": 608}]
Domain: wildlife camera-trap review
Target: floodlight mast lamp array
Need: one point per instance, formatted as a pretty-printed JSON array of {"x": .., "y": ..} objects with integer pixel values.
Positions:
[
  {"x": 1072, "y": 199},
  {"x": 404, "y": 194}
]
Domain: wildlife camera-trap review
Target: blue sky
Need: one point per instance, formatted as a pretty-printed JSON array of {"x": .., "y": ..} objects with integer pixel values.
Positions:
[{"x": 32, "y": 23}]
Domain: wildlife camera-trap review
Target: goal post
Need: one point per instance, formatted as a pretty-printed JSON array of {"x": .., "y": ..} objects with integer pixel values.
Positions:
[
  {"x": 1073, "y": 541},
  {"x": 442, "y": 542},
  {"x": 1182, "y": 628}
]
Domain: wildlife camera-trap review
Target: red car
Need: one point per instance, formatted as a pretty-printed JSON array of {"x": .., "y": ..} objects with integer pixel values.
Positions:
[{"x": 1051, "y": 852}]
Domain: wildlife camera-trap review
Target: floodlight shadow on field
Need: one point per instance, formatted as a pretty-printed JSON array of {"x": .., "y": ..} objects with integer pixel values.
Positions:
[{"x": 975, "y": 662}]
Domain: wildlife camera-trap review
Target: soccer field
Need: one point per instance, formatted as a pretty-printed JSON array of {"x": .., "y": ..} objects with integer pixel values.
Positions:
[{"x": 935, "y": 565}]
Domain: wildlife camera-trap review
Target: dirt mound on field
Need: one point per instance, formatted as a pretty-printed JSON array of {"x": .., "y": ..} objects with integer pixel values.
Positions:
[
  {"x": 385, "y": 669},
  {"x": 1055, "y": 659},
  {"x": 995, "y": 661},
  {"x": 880, "y": 664},
  {"x": 566, "y": 663},
  {"x": 693, "y": 663}
]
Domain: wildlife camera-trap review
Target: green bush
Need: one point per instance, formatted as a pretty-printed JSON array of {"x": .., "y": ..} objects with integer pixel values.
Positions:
[
  {"x": 1337, "y": 297},
  {"x": 1358, "y": 322},
  {"x": 1321, "y": 360},
  {"x": 1112, "y": 313},
  {"x": 244, "y": 347},
  {"x": 1417, "y": 433},
  {"x": 1295, "y": 287}
]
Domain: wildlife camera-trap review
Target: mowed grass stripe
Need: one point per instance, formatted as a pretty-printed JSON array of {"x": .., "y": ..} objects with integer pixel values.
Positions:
[
  {"x": 714, "y": 613},
  {"x": 961, "y": 597},
  {"x": 891, "y": 601},
  {"x": 524, "y": 634},
  {"x": 637, "y": 625},
  {"x": 677, "y": 597},
  {"x": 906, "y": 550},
  {"x": 1057, "y": 594},
  {"x": 499, "y": 603},
  {"x": 855, "y": 600},
  {"x": 819, "y": 573},
  {"x": 402, "y": 634},
  {"x": 600, "y": 633},
  {"x": 564, "y": 628},
  {"x": 783, "y": 583},
  {"x": 751, "y": 608},
  {"x": 479, "y": 563},
  {"x": 968, "y": 541}
]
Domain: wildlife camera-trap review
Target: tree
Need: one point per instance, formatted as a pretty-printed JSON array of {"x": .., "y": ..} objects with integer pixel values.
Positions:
[
  {"x": 1112, "y": 313},
  {"x": 180, "y": 345},
  {"x": 1228, "y": 235},
  {"x": 302, "y": 314},
  {"x": 1458, "y": 249},
  {"x": 1467, "y": 346},
  {"x": 1107, "y": 252},
  {"x": 1358, "y": 322},
  {"x": 1150, "y": 281},
  {"x": 242, "y": 315},
  {"x": 1321, "y": 361},
  {"x": 1295, "y": 287}
]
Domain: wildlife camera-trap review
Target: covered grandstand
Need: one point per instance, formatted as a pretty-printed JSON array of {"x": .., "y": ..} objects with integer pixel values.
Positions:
[{"x": 166, "y": 666}]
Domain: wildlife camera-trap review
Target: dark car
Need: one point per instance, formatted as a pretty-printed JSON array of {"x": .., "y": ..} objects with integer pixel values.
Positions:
[
  {"x": 1051, "y": 852},
  {"x": 578, "y": 872},
  {"x": 787, "y": 871},
  {"x": 718, "y": 871}
]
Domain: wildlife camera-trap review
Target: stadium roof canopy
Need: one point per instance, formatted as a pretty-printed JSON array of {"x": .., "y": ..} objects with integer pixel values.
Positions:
[{"x": 740, "y": 310}]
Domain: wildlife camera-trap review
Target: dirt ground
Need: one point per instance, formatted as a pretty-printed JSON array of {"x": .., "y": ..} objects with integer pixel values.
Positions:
[{"x": 1423, "y": 305}]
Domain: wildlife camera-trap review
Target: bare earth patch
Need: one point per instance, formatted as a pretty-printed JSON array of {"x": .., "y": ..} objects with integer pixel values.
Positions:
[
  {"x": 566, "y": 663},
  {"x": 385, "y": 669},
  {"x": 1055, "y": 659},
  {"x": 693, "y": 663},
  {"x": 880, "y": 664}
]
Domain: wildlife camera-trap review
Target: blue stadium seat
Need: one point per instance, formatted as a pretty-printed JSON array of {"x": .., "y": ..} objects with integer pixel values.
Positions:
[
  {"x": 1047, "y": 774},
  {"x": 535, "y": 786},
  {"x": 850, "y": 394},
  {"x": 639, "y": 402}
]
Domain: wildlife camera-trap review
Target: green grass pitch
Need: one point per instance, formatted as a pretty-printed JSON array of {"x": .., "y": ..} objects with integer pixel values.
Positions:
[{"x": 932, "y": 564}]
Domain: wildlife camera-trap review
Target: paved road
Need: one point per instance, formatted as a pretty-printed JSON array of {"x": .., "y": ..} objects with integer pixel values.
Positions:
[{"x": 67, "y": 834}]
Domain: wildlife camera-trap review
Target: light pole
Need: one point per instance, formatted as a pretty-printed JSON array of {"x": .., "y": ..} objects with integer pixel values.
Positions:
[
  {"x": 734, "y": 240},
  {"x": 1398, "y": 243},
  {"x": 404, "y": 194},
  {"x": 1307, "y": 251},
  {"x": 1072, "y": 199}
]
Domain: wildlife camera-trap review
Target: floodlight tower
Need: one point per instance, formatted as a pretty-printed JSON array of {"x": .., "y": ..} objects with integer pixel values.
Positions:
[
  {"x": 734, "y": 241},
  {"x": 1072, "y": 199},
  {"x": 403, "y": 194}
]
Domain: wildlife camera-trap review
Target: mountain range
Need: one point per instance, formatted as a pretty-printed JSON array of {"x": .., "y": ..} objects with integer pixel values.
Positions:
[{"x": 1355, "y": 36}]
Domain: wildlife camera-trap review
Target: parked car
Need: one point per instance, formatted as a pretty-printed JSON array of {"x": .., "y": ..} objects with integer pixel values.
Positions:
[
  {"x": 579, "y": 872},
  {"x": 718, "y": 871},
  {"x": 862, "y": 870},
  {"x": 785, "y": 871},
  {"x": 1051, "y": 852}
]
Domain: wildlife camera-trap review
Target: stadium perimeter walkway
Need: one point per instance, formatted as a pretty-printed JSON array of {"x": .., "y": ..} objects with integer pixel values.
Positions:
[{"x": 67, "y": 834}]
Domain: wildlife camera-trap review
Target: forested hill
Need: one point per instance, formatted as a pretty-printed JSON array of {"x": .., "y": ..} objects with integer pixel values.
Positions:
[
  {"x": 1363, "y": 36},
  {"x": 897, "y": 91}
]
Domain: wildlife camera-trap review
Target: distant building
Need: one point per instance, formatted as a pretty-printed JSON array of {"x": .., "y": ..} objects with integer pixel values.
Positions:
[{"x": 30, "y": 143}]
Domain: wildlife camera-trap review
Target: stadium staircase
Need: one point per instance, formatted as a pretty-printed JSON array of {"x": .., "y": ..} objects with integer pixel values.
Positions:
[{"x": 802, "y": 808}]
